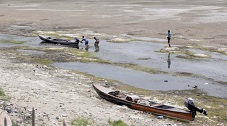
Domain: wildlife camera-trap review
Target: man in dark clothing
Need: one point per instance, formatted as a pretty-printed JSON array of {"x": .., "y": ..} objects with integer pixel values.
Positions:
[
  {"x": 169, "y": 37},
  {"x": 96, "y": 44},
  {"x": 191, "y": 106}
]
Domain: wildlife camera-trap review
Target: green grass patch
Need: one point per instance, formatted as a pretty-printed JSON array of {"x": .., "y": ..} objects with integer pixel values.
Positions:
[
  {"x": 140, "y": 68},
  {"x": 144, "y": 58},
  {"x": 184, "y": 53},
  {"x": 117, "y": 123},
  {"x": 222, "y": 82},
  {"x": 84, "y": 56},
  {"x": 210, "y": 49},
  {"x": 42, "y": 61},
  {"x": 2, "y": 92},
  {"x": 186, "y": 74},
  {"x": 11, "y": 42},
  {"x": 191, "y": 55},
  {"x": 215, "y": 106},
  {"x": 81, "y": 121},
  {"x": 3, "y": 96}
]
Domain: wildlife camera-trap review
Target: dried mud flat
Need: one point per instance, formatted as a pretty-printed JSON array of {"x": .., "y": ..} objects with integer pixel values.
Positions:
[
  {"x": 199, "y": 22},
  {"x": 61, "y": 94}
]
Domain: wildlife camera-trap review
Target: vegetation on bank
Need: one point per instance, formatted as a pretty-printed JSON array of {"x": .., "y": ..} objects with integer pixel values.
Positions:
[
  {"x": 210, "y": 49},
  {"x": 215, "y": 106},
  {"x": 117, "y": 123},
  {"x": 11, "y": 42},
  {"x": 83, "y": 121},
  {"x": 3, "y": 96},
  {"x": 2, "y": 92},
  {"x": 184, "y": 53}
]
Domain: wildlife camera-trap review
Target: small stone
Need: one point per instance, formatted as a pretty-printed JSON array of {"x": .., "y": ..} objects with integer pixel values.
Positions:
[
  {"x": 64, "y": 115},
  {"x": 57, "y": 118}
]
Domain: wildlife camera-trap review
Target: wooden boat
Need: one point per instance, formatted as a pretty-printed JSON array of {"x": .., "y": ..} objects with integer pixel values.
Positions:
[
  {"x": 120, "y": 98},
  {"x": 5, "y": 118},
  {"x": 58, "y": 41}
]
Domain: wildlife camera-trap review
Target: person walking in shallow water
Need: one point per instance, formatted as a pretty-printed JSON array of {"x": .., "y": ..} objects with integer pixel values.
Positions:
[
  {"x": 96, "y": 44},
  {"x": 86, "y": 42},
  {"x": 169, "y": 37}
]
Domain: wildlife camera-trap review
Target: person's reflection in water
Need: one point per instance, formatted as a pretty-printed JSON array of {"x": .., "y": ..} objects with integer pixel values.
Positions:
[
  {"x": 86, "y": 48},
  {"x": 96, "y": 44},
  {"x": 96, "y": 49},
  {"x": 169, "y": 61}
]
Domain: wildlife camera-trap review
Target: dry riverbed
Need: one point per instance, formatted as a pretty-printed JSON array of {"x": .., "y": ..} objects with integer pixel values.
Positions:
[{"x": 58, "y": 94}]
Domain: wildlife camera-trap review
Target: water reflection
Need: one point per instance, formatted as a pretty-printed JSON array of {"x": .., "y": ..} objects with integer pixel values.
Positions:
[
  {"x": 86, "y": 47},
  {"x": 96, "y": 48},
  {"x": 168, "y": 60}
]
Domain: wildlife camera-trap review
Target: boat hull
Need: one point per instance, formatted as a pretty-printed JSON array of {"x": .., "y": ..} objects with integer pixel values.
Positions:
[
  {"x": 158, "y": 109},
  {"x": 59, "y": 41}
]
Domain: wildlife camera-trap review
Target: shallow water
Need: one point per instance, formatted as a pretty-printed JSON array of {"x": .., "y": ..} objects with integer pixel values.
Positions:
[
  {"x": 144, "y": 54},
  {"x": 29, "y": 41},
  {"x": 145, "y": 80},
  {"x": 133, "y": 52}
]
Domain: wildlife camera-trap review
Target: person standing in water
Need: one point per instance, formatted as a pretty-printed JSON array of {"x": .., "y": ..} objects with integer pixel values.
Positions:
[
  {"x": 96, "y": 44},
  {"x": 85, "y": 42},
  {"x": 168, "y": 37}
]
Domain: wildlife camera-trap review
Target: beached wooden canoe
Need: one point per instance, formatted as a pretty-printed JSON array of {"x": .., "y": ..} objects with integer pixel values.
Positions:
[
  {"x": 135, "y": 102},
  {"x": 5, "y": 118},
  {"x": 58, "y": 41}
]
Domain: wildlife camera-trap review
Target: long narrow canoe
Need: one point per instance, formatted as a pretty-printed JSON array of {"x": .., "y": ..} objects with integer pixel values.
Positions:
[
  {"x": 5, "y": 118},
  {"x": 58, "y": 41},
  {"x": 120, "y": 98}
]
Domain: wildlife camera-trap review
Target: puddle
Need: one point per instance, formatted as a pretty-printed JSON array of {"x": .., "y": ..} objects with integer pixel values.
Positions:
[{"x": 144, "y": 80}]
